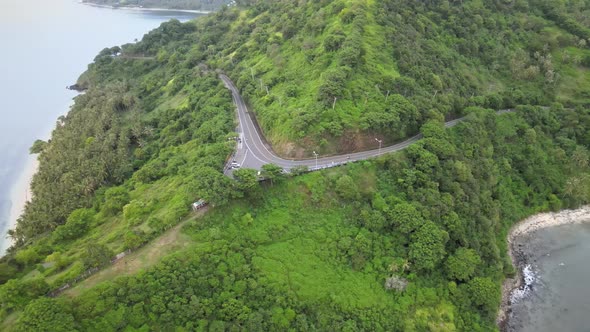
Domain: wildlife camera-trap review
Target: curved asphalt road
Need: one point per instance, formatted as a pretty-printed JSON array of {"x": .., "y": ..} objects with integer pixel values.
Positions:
[{"x": 253, "y": 152}]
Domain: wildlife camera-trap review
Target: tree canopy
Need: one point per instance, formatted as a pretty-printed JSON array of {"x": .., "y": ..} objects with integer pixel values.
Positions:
[{"x": 322, "y": 250}]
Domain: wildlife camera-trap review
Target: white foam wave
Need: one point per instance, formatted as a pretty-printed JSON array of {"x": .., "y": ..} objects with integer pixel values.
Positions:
[{"x": 530, "y": 278}]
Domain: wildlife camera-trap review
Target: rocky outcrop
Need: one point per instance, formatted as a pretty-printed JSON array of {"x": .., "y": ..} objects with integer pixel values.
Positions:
[{"x": 76, "y": 87}]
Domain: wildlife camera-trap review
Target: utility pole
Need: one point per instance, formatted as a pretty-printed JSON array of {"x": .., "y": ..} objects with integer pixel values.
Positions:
[
  {"x": 380, "y": 141},
  {"x": 334, "y": 103},
  {"x": 387, "y": 97},
  {"x": 316, "y": 159}
]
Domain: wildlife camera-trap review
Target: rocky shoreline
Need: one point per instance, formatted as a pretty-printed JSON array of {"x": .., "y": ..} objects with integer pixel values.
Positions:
[{"x": 518, "y": 286}]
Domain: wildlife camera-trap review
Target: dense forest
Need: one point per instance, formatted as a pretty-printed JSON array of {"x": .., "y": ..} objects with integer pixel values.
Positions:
[
  {"x": 206, "y": 5},
  {"x": 411, "y": 241},
  {"x": 334, "y": 74}
]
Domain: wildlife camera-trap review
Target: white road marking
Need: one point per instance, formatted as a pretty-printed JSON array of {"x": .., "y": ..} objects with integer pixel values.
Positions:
[
  {"x": 243, "y": 160},
  {"x": 265, "y": 156}
]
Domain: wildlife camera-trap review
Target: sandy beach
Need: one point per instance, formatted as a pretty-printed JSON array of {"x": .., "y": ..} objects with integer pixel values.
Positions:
[
  {"x": 31, "y": 113},
  {"x": 19, "y": 195},
  {"x": 520, "y": 283}
]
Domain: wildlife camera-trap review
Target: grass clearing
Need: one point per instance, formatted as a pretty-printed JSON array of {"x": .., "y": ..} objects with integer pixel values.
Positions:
[
  {"x": 9, "y": 322},
  {"x": 172, "y": 241},
  {"x": 296, "y": 263},
  {"x": 297, "y": 240}
]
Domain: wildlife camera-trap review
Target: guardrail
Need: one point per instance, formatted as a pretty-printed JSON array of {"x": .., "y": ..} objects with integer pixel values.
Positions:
[{"x": 330, "y": 165}]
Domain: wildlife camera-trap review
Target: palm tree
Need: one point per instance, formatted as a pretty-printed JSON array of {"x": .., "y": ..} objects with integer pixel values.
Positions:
[{"x": 406, "y": 265}]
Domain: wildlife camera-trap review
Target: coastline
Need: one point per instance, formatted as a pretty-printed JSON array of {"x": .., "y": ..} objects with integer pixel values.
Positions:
[
  {"x": 20, "y": 194},
  {"x": 521, "y": 281},
  {"x": 148, "y": 9}
]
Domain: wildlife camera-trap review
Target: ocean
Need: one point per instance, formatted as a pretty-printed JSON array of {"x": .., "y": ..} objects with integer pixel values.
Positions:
[
  {"x": 46, "y": 45},
  {"x": 559, "y": 267}
]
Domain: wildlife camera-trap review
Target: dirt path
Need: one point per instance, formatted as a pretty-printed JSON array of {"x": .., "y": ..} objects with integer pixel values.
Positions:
[{"x": 171, "y": 241}]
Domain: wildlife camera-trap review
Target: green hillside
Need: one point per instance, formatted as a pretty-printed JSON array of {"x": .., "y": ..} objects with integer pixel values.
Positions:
[
  {"x": 394, "y": 64},
  {"x": 331, "y": 76},
  {"x": 412, "y": 241}
]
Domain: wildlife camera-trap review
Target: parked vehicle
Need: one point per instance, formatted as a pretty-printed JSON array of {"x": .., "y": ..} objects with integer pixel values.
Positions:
[{"x": 199, "y": 205}]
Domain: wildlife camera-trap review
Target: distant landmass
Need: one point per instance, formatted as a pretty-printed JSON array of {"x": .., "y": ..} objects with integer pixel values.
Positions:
[{"x": 209, "y": 5}]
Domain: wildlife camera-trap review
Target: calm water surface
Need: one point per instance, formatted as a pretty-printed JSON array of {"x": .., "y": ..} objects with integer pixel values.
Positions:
[
  {"x": 560, "y": 300},
  {"x": 45, "y": 46}
]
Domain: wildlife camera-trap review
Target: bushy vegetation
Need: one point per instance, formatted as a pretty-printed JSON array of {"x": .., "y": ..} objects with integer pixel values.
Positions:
[
  {"x": 146, "y": 139},
  {"x": 315, "y": 252},
  {"x": 409, "y": 242},
  {"x": 332, "y": 75}
]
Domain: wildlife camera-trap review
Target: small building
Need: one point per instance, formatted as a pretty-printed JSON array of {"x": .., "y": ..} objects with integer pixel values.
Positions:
[{"x": 199, "y": 205}]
